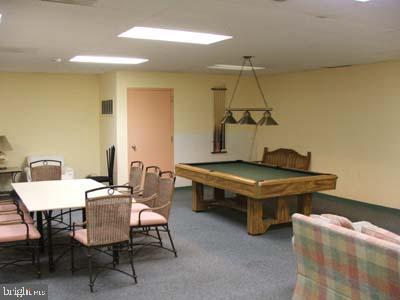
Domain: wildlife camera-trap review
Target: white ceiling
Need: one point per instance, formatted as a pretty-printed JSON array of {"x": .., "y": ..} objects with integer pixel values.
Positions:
[{"x": 283, "y": 36}]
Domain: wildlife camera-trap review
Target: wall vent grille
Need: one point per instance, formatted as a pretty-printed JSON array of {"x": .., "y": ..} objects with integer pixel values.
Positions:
[{"x": 107, "y": 107}]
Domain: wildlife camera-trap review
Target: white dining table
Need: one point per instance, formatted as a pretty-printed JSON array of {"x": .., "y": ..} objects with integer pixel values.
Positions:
[
  {"x": 55, "y": 194},
  {"x": 46, "y": 196}
]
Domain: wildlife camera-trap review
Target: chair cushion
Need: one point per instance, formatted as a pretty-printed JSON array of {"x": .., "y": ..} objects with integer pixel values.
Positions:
[
  {"x": 147, "y": 218},
  {"x": 22, "y": 206},
  {"x": 136, "y": 207},
  {"x": 80, "y": 236},
  {"x": 17, "y": 232},
  {"x": 381, "y": 233},
  {"x": 15, "y": 217},
  {"x": 7, "y": 207},
  {"x": 343, "y": 221},
  {"x": 324, "y": 220}
]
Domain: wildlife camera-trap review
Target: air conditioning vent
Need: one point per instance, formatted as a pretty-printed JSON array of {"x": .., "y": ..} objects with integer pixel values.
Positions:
[
  {"x": 74, "y": 2},
  {"x": 107, "y": 107}
]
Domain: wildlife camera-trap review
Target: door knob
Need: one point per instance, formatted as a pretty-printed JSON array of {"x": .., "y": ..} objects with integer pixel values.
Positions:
[{"x": 134, "y": 147}]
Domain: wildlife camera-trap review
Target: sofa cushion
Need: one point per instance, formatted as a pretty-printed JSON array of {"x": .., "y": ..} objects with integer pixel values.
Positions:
[
  {"x": 343, "y": 221},
  {"x": 360, "y": 224},
  {"x": 324, "y": 220},
  {"x": 381, "y": 233}
]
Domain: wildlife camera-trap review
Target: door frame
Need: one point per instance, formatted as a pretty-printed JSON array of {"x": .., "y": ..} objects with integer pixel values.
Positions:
[{"x": 171, "y": 90}]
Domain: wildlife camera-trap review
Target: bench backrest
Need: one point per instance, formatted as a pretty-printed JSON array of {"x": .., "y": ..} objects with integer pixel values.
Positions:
[{"x": 287, "y": 158}]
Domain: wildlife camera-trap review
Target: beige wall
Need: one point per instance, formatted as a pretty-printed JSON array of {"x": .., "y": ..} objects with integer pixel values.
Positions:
[
  {"x": 193, "y": 116},
  {"x": 51, "y": 114},
  {"x": 349, "y": 119}
]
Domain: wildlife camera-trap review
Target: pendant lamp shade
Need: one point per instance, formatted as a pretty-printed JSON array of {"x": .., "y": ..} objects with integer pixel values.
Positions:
[
  {"x": 247, "y": 119},
  {"x": 228, "y": 118},
  {"x": 267, "y": 120}
]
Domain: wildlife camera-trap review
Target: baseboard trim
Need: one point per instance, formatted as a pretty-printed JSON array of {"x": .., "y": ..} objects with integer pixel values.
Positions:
[{"x": 353, "y": 202}]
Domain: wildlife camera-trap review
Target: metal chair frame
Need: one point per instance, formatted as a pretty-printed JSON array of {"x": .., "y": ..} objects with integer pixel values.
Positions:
[
  {"x": 145, "y": 230},
  {"x": 113, "y": 248},
  {"x": 27, "y": 244}
]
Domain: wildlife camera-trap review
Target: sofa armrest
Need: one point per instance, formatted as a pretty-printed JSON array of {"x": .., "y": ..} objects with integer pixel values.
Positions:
[{"x": 333, "y": 258}]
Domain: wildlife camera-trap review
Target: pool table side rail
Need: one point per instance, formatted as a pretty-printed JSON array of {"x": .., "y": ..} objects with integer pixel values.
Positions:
[
  {"x": 297, "y": 185},
  {"x": 219, "y": 180},
  {"x": 255, "y": 163},
  {"x": 257, "y": 189}
]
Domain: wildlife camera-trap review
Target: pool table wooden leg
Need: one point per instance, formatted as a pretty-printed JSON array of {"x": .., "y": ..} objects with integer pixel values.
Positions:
[
  {"x": 305, "y": 204},
  {"x": 255, "y": 222},
  {"x": 198, "y": 203}
]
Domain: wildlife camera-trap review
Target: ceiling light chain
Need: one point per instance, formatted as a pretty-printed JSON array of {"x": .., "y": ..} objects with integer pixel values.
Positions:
[
  {"x": 258, "y": 82},
  {"x": 237, "y": 83},
  {"x": 247, "y": 118}
]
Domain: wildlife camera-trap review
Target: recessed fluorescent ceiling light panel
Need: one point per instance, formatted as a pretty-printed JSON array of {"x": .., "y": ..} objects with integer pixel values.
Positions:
[
  {"x": 362, "y": 0},
  {"x": 234, "y": 67},
  {"x": 108, "y": 60},
  {"x": 180, "y": 36}
]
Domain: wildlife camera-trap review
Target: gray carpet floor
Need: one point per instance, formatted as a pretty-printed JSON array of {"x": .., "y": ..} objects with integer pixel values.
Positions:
[{"x": 216, "y": 260}]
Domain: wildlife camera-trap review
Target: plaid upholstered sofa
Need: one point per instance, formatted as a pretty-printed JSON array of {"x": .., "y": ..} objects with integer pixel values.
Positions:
[{"x": 336, "y": 263}]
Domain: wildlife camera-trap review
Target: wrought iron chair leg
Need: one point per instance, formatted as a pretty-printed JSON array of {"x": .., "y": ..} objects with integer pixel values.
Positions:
[
  {"x": 36, "y": 249},
  {"x": 91, "y": 282},
  {"x": 70, "y": 220},
  {"x": 170, "y": 239},
  {"x": 159, "y": 236},
  {"x": 72, "y": 256},
  {"x": 130, "y": 252},
  {"x": 115, "y": 255},
  {"x": 34, "y": 255}
]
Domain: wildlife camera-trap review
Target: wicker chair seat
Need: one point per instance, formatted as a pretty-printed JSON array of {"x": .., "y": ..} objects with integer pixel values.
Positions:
[
  {"x": 136, "y": 207},
  {"x": 13, "y": 217},
  {"x": 17, "y": 232},
  {"x": 147, "y": 218}
]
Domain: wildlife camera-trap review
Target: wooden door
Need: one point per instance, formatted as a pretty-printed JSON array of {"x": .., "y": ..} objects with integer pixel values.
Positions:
[{"x": 150, "y": 127}]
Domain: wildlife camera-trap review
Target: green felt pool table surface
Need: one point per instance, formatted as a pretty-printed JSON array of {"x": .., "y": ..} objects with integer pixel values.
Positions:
[{"x": 252, "y": 171}]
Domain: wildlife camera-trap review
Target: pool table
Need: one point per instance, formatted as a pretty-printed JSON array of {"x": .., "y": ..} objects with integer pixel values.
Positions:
[{"x": 254, "y": 183}]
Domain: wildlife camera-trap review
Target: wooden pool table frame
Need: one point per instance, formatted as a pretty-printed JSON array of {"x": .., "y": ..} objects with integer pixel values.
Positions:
[{"x": 252, "y": 193}]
